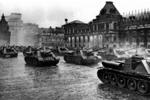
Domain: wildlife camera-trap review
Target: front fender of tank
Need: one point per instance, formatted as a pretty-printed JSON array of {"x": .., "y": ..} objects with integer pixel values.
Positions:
[{"x": 100, "y": 72}]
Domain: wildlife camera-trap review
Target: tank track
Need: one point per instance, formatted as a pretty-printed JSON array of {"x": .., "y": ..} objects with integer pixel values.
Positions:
[
  {"x": 31, "y": 61},
  {"x": 132, "y": 81}
]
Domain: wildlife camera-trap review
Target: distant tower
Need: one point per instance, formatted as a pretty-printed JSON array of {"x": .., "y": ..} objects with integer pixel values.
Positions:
[
  {"x": 3, "y": 17},
  {"x": 15, "y": 26},
  {"x": 4, "y": 31}
]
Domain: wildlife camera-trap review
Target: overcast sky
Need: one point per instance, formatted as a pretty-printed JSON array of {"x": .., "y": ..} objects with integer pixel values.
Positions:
[{"x": 47, "y": 13}]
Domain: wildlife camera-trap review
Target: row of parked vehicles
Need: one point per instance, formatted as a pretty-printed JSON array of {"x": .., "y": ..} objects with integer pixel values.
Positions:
[
  {"x": 121, "y": 68},
  {"x": 47, "y": 56}
]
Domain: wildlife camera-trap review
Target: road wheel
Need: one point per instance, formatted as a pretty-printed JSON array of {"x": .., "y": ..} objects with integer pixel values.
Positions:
[
  {"x": 113, "y": 79},
  {"x": 142, "y": 87},
  {"x": 121, "y": 81},
  {"x": 27, "y": 60},
  {"x": 105, "y": 77},
  {"x": 35, "y": 62},
  {"x": 131, "y": 83},
  {"x": 30, "y": 61}
]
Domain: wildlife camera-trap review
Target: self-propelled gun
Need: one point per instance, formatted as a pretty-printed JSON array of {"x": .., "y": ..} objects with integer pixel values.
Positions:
[{"x": 133, "y": 74}]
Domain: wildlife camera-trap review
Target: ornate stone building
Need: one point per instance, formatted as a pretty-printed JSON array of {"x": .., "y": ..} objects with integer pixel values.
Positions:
[
  {"x": 106, "y": 25},
  {"x": 76, "y": 34},
  {"x": 4, "y": 32},
  {"x": 100, "y": 32},
  {"x": 110, "y": 29}
]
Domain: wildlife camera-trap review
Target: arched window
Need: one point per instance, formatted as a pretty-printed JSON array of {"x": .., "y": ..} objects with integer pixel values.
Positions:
[
  {"x": 77, "y": 39},
  {"x": 69, "y": 39},
  {"x": 86, "y": 39},
  {"x": 73, "y": 41}
]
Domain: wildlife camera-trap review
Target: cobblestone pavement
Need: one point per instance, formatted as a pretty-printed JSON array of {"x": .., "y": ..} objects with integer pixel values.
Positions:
[{"x": 61, "y": 82}]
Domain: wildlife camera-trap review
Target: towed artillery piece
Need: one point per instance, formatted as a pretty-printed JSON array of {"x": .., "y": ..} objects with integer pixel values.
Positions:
[{"x": 133, "y": 74}]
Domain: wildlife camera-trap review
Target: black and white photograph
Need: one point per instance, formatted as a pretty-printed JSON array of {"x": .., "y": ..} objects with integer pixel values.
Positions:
[{"x": 74, "y": 49}]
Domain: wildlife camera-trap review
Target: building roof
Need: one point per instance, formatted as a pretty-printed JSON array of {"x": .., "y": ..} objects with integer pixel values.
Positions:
[
  {"x": 109, "y": 8},
  {"x": 77, "y": 21}
]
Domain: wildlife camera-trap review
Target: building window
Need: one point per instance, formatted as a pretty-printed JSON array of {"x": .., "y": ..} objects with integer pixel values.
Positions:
[
  {"x": 97, "y": 27},
  {"x": 77, "y": 39},
  {"x": 86, "y": 39},
  {"x": 115, "y": 26},
  {"x": 103, "y": 11},
  {"x": 91, "y": 38},
  {"x": 69, "y": 39},
  {"x": 73, "y": 41},
  {"x": 102, "y": 26},
  {"x": 81, "y": 39},
  {"x": 93, "y": 27},
  {"x": 72, "y": 30},
  {"x": 111, "y": 26},
  {"x": 112, "y": 11},
  {"x": 114, "y": 38},
  {"x": 107, "y": 26}
]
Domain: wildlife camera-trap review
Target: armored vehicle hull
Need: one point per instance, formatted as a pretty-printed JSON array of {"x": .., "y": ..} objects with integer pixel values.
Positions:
[
  {"x": 113, "y": 54},
  {"x": 36, "y": 62},
  {"x": 9, "y": 55},
  {"x": 133, "y": 74},
  {"x": 6, "y": 52},
  {"x": 40, "y": 58},
  {"x": 59, "y": 51},
  {"x": 81, "y": 59}
]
